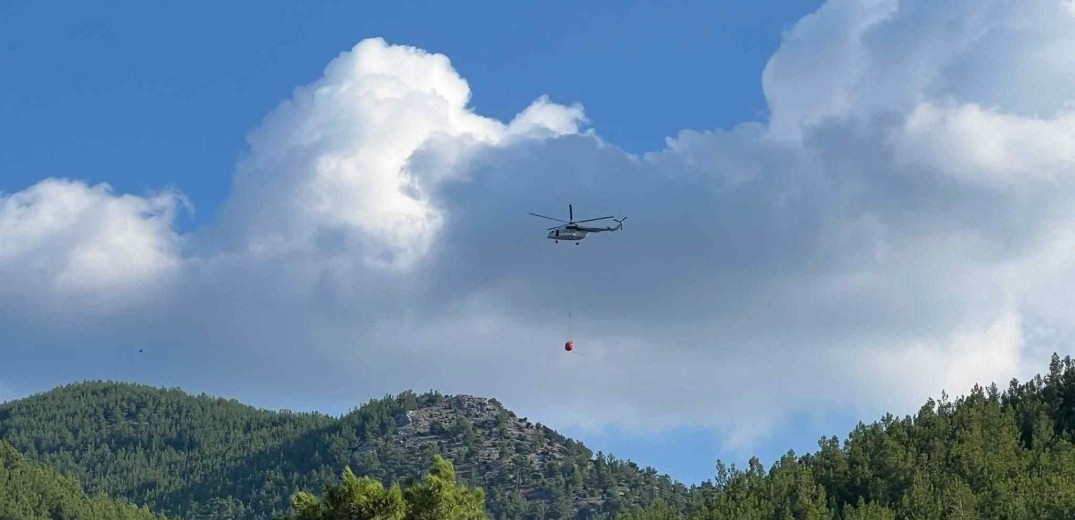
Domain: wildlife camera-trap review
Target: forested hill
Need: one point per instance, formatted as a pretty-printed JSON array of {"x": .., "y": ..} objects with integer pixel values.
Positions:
[
  {"x": 31, "y": 491},
  {"x": 997, "y": 454},
  {"x": 991, "y": 454},
  {"x": 205, "y": 457}
]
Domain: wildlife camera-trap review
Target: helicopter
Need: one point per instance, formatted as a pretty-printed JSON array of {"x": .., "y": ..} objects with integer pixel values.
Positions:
[{"x": 572, "y": 231}]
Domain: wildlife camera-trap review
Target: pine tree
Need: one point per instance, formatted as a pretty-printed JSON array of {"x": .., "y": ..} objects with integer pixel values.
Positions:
[{"x": 437, "y": 497}]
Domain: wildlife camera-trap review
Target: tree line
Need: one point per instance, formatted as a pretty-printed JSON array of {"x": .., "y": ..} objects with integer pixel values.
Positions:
[{"x": 992, "y": 453}]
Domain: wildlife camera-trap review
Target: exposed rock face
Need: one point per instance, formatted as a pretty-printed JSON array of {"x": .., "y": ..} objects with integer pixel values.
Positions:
[
  {"x": 489, "y": 445},
  {"x": 527, "y": 470},
  {"x": 476, "y": 432}
]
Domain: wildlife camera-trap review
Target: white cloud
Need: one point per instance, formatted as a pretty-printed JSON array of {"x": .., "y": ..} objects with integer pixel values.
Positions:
[
  {"x": 822, "y": 60},
  {"x": 334, "y": 159},
  {"x": 978, "y": 144},
  {"x": 80, "y": 246},
  {"x": 860, "y": 57},
  {"x": 901, "y": 220},
  {"x": 546, "y": 118},
  {"x": 901, "y": 375}
]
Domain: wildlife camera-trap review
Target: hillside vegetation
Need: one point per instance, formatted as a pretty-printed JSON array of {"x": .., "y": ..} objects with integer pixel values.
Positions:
[
  {"x": 437, "y": 497},
  {"x": 989, "y": 454},
  {"x": 31, "y": 491},
  {"x": 202, "y": 457}
]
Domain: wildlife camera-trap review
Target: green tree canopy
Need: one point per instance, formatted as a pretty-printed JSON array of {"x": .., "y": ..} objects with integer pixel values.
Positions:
[
  {"x": 31, "y": 491},
  {"x": 437, "y": 497}
]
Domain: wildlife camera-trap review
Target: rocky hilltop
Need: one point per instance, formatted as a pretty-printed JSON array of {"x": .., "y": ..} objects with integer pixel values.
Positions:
[
  {"x": 454, "y": 427},
  {"x": 518, "y": 461}
]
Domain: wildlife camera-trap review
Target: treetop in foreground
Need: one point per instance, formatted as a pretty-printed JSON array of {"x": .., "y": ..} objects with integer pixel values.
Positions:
[{"x": 437, "y": 497}]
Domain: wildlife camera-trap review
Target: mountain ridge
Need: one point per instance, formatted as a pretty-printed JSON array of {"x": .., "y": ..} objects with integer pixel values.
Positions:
[
  {"x": 177, "y": 451},
  {"x": 990, "y": 453}
]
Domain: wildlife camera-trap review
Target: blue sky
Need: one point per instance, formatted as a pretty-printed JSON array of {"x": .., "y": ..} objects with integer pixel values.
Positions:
[
  {"x": 142, "y": 96},
  {"x": 838, "y": 210}
]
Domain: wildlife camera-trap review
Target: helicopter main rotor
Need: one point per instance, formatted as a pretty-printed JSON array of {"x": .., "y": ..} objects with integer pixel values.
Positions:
[{"x": 571, "y": 217}]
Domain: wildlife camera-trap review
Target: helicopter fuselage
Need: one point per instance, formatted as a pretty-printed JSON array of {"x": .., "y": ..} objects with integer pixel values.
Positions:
[
  {"x": 567, "y": 233},
  {"x": 575, "y": 232}
]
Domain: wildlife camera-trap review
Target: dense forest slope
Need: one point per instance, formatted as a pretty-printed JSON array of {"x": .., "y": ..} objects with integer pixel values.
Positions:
[
  {"x": 198, "y": 456},
  {"x": 31, "y": 491},
  {"x": 989, "y": 454}
]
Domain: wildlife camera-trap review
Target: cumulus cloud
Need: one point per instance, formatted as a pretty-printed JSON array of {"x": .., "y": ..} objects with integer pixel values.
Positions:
[
  {"x": 973, "y": 356},
  {"x": 68, "y": 244},
  {"x": 989, "y": 146},
  {"x": 334, "y": 159},
  {"x": 855, "y": 57},
  {"x": 900, "y": 225}
]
